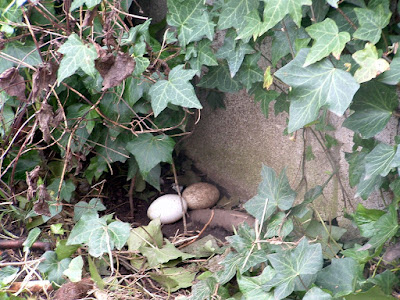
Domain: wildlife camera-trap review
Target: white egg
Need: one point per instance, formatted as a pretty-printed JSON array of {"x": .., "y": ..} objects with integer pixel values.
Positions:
[{"x": 168, "y": 208}]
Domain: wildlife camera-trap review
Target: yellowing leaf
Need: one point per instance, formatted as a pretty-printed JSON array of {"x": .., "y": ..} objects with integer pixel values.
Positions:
[
  {"x": 268, "y": 79},
  {"x": 370, "y": 65}
]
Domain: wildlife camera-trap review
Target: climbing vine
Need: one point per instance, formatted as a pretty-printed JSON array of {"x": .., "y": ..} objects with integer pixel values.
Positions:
[{"x": 85, "y": 85}]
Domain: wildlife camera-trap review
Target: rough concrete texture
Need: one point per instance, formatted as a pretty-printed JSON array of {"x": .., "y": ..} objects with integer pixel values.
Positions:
[{"x": 231, "y": 145}]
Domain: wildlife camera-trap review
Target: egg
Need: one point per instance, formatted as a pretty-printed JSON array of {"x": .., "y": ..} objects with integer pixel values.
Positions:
[
  {"x": 201, "y": 195},
  {"x": 168, "y": 208}
]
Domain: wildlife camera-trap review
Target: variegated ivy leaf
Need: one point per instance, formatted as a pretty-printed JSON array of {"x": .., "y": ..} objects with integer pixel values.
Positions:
[
  {"x": 234, "y": 11},
  {"x": 176, "y": 90},
  {"x": 76, "y": 55},
  {"x": 371, "y": 23},
  {"x": 370, "y": 65},
  {"x": 191, "y": 19},
  {"x": 276, "y": 10},
  {"x": 328, "y": 40},
  {"x": 320, "y": 84},
  {"x": 233, "y": 51}
]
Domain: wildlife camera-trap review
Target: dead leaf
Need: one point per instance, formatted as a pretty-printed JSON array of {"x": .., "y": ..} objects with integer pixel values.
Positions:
[
  {"x": 45, "y": 117},
  {"x": 74, "y": 290},
  {"x": 13, "y": 83},
  {"x": 31, "y": 180},
  {"x": 43, "y": 77},
  {"x": 41, "y": 207},
  {"x": 89, "y": 16},
  {"x": 113, "y": 69},
  {"x": 392, "y": 253}
]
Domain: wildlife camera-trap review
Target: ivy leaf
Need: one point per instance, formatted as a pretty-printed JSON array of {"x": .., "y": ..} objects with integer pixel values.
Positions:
[
  {"x": 340, "y": 277},
  {"x": 386, "y": 281},
  {"x": 220, "y": 78},
  {"x": 365, "y": 220},
  {"x": 371, "y": 23},
  {"x": 320, "y": 84},
  {"x": 53, "y": 267},
  {"x": 100, "y": 237},
  {"x": 276, "y": 190},
  {"x": 373, "y": 104},
  {"x": 316, "y": 294},
  {"x": 295, "y": 269},
  {"x": 254, "y": 27},
  {"x": 284, "y": 37},
  {"x": 150, "y": 150},
  {"x": 370, "y": 65},
  {"x": 233, "y": 51},
  {"x": 328, "y": 40},
  {"x": 276, "y": 10},
  {"x": 264, "y": 97},
  {"x": 367, "y": 186},
  {"x": 76, "y": 55},
  {"x": 174, "y": 279},
  {"x": 333, "y": 3},
  {"x": 234, "y": 11},
  {"x": 381, "y": 159},
  {"x": 25, "y": 53},
  {"x": 249, "y": 71},
  {"x": 89, "y": 3},
  {"x": 83, "y": 207},
  {"x": 191, "y": 19},
  {"x": 386, "y": 227},
  {"x": 204, "y": 56},
  {"x": 74, "y": 271},
  {"x": 176, "y": 90},
  {"x": 251, "y": 287},
  {"x": 392, "y": 75}
]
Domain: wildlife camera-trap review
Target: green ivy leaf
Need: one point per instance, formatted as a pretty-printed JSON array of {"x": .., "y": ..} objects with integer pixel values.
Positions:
[
  {"x": 76, "y": 55},
  {"x": 380, "y": 160},
  {"x": 234, "y": 11},
  {"x": 274, "y": 189},
  {"x": 204, "y": 56},
  {"x": 157, "y": 256},
  {"x": 141, "y": 236},
  {"x": 53, "y": 267},
  {"x": 264, "y": 97},
  {"x": 74, "y": 271},
  {"x": 367, "y": 186},
  {"x": 316, "y": 293},
  {"x": 23, "y": 53},
  {"x": 295, "y": 269},
  {"x": 392, "y": 75},
  {"x": 386, "y": 227},
  {"x": 284, "y": 37},
  {"x": 89, "y": 3},
  {"x": 320, "y": 84},
  {"x": 150, "y": 150},
  {"x": 373, "y": 293},
  {"x": 191, "y": 19},
  {"x": 254, "y": 27},
  {"x": 371, "y": 23},
  {"x": 7, "y": 275},
  {"x": 373, "y": 104},
  {"x": 276, "y": 10},
  {"x": 176, "y": 90},
  {"x": 249, "y": 71},
  {"x": 328, "y": 40},
  {"x": 100, "y": 237},
  {"x": 386, "y": 281},
  {"x": 251, "y": 287},
  {"x": 220, "y": 78},
  {"x": 233, "y": 51},
  {"x": 173, "y": 279},
  {"x": 370, "y": 65},
  {"x": 32, "y": 237},
  {"x": 356, "y": 166},
  {"x": 340, "y": 277},
  {"x": 83, "y": 207},
  {"x": 67, "y": 188},
  {"x": 366, "y": 219}
]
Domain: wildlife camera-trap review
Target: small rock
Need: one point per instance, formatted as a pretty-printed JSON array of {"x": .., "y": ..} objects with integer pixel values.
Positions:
[{"x": 201, "y": 195}]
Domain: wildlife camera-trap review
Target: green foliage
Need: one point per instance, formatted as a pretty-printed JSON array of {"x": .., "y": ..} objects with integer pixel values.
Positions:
[{"x": 84, "y": 89}]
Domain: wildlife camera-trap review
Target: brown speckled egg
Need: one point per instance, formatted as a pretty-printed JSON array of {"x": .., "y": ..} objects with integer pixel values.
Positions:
[{"x": 201, "y": 195}]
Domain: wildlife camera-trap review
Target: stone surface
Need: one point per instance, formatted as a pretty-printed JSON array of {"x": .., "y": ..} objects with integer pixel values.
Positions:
[{"x": 201, "y": 195}]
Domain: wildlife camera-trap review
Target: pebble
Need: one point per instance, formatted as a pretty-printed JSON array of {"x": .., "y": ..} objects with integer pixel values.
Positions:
[{"x": 201, "y": 195}]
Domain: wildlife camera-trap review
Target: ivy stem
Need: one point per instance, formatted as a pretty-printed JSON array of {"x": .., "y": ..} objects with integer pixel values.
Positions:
[{"x": 180, "y": 196}]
